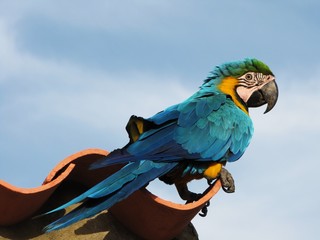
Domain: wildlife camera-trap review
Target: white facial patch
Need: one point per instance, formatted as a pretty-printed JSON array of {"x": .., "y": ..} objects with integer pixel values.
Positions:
[
  {"x": 245, "y": 93},
  {"x": 251, "y": 82}
]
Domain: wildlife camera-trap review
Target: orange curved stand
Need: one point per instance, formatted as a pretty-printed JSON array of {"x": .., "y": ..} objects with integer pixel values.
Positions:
[{"x": 145, "y": 214}]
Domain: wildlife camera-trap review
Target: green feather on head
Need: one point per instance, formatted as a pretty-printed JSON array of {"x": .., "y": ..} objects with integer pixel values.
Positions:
[
  {"x": 256, "y": 65},
  {"x": 239, "y": 68}
]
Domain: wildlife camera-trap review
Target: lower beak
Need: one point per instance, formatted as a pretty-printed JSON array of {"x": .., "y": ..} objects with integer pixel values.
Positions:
[{"x": 267, "y": 94}]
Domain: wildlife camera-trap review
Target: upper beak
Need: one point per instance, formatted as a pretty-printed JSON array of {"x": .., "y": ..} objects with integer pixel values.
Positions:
[{"x": 267, "y": 94}]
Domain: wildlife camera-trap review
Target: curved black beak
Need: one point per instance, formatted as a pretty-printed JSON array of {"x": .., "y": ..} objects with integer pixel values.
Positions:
[{"x": 267, "y": 94}]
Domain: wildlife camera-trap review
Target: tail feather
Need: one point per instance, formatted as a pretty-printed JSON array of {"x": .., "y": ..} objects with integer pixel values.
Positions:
[
  {"x": 117, "y": 156},
  {"x": 100, "y": 197},
  {"x": 119, "y": 180},
  {"x": 105, "y": 187},
  {"x": 148, "y": 145}
]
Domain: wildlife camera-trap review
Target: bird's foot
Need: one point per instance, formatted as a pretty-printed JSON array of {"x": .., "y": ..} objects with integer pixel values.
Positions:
[
  {"x": 187, "y": 195},
  {"x": 197, "y": 196},
  {"x": 227, "y": 181},
  {"x": 193, "y": 197},
  {"x": 204, "y": 210}
]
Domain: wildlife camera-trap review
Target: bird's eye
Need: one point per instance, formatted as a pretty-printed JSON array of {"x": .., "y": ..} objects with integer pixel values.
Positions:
[{"x": 248, "y": 76}]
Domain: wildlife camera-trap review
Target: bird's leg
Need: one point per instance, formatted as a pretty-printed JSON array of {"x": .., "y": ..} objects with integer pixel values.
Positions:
[
  {"x": 185, "y": 194},
  {"x": 227, "y": 181}
]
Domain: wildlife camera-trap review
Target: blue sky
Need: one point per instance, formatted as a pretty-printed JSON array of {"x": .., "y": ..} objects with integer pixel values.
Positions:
[{"x": 72, "y": 73}]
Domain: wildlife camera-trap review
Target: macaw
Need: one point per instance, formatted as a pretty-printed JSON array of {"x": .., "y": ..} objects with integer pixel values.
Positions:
[{"x": 190, "y": 140}]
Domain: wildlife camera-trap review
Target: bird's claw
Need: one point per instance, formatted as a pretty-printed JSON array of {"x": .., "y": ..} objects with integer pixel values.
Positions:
[
  {"x": 204, "y": 210},
  {"x": 194, "y": 197},
  {"x": 227, "y": 181}
]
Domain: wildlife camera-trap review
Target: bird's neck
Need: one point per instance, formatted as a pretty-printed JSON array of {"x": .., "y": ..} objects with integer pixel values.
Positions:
[{"x": 227, "y": 86}]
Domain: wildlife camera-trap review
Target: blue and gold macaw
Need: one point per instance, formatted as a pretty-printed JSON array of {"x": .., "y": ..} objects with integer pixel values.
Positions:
[{"x": 190, "y": 140}]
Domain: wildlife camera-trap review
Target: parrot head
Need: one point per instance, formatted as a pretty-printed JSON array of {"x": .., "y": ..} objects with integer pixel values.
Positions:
[{"x": 250, "y": 83}]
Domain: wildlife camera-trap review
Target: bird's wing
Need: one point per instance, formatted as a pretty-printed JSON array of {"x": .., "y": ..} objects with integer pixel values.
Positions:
[
  {"x": 220, "y": 130},
  {"x": 203, "y": 128}
]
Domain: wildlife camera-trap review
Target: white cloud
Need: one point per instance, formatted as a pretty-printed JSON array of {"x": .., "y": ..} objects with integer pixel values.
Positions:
[
  {"x": 66, "y": 87},
  {"x": 38, "y": 93}
]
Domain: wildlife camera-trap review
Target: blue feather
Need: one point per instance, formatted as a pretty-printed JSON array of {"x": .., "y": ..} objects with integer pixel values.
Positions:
[
  {"x": 106, "y": 183},
  {"x": 222, "y": 150},
  {"x": 213, "y": 149},
  {"x": 188, "y": 119},
  {"x": 147, "y": 172},
  {"x": 203, "y": 108},
  {"x": 202, "y": 123},
  {"x": 151, "y": 140},
  {"x": 166, "y": 115},
  {"x": 207, "y": 127}
]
